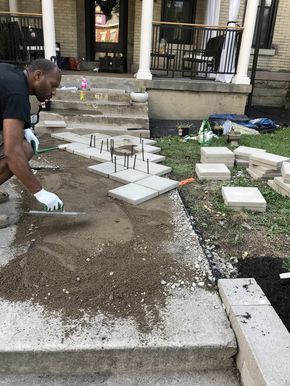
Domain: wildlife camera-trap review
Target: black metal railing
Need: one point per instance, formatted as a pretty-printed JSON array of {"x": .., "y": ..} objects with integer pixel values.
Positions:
[
  {"x": 21, "y": 37},
  {"x": 194, "y": 50}
]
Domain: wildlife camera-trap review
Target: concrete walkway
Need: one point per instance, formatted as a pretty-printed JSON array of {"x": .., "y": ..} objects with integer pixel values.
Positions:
[{"x": 192, "y": 345}]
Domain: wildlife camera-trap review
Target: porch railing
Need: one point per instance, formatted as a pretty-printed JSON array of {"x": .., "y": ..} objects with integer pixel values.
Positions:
[
  {"x": 21, "y": 37},
  {"x": 194, "y": 50}
]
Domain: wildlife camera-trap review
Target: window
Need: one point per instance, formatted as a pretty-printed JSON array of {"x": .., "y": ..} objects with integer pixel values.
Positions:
[
  {"x": 268, "y": 25},
  {"x": 177, "y": 11}
]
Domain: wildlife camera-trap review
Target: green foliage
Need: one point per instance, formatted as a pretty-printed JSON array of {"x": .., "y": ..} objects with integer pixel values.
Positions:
[{"x": 286, "y": 264}]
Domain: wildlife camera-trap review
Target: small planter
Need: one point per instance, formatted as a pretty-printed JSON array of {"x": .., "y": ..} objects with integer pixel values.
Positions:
[{"x": 139, "y": 97}]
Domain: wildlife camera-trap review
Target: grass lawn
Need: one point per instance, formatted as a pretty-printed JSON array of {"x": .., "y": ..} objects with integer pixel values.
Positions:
[{"x": 236, "y": 233}]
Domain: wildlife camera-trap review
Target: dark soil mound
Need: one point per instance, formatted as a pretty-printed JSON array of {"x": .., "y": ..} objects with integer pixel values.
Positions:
[{"x": 266, "y": 271}]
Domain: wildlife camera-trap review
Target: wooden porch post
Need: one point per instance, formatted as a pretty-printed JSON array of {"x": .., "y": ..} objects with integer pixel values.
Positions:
[
  {"x": 48, "y": 28},
  {"x": 241, "y": 76},
  {"x": 146, "y": 40}
]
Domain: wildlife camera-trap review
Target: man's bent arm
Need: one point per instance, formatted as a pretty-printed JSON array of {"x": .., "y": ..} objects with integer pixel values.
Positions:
[{"x": 14, "y": 154}]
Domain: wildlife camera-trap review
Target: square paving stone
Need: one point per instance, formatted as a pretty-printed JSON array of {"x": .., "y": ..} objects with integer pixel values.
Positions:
[
  {"x": 269, "y": 159},
  {"x": 128, "y": 175},
  {"x": 54, "y": 124},
  {"x": 243, "y": 196},
  {"x": 160, "y": 184},
  {"x": 245, "y": 151},
  {"x": 218, "y": 152},
  {"x": 73, "y": 146},
  {"x": 151, "y": 156},
  {"x": 66, "y": 136},
  {"x": 154, "y": 168},
  {"x": 212, "y": 171},
  {"x": 286, "y": 172},
  {"x": 280, "y": 182},
  {"x": 133, "y": 193},
  {"x": 105, "y": 169},
  {"x": 148, "y": 149}
]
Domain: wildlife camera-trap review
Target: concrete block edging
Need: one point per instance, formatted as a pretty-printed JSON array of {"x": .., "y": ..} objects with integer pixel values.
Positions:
[{"x": 263, "y": 341}]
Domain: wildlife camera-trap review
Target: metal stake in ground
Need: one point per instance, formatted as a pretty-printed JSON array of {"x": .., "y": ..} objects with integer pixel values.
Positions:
[
  {"x": 143, "y": 155},
  {"x": 142, "y": 145},
  {"x": 101, "y": 149},
  {"x": 140, "y": 138},
  {"x": 132, "y": 150},
  {"x": 94, "y": 141},
  {"x": 91, "y": 141},
  {"x": 147, "y": 165},
  {"x": 128, "y": 161},
  {"x": 135, "y": 161},
  {"x": 107, "y": 144},
  {"x": 115, "y": 164},
  {"x": 125, "y": 156},
  {"x": 112, "y": 153}
]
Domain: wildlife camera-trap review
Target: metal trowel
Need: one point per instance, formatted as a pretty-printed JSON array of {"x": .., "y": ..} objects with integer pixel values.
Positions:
[{"x": 55, "y": 213}]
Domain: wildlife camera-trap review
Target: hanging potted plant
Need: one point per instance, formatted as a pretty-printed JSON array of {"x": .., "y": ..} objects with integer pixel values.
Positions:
[{"x": 140, "y": 95}]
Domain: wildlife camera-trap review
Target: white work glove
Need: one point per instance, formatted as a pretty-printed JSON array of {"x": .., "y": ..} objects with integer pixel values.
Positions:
[
  {"x": 50, "y": 200},
  {"x": 31, "y": 138}
]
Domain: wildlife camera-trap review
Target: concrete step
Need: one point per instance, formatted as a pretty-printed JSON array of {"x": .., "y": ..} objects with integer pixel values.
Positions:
[
  {"x": 101, "y": 81},
  {"x": 33, "y": 342},
  {"x": 100, "y": 94},
  {"x": 101, "y": 108},
  {"x": 70, "y": 116},
  {"x": 197, "y": 378}
]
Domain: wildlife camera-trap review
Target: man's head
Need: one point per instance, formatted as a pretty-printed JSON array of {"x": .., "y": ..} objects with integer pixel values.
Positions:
[{"x": 43, "y": 78}]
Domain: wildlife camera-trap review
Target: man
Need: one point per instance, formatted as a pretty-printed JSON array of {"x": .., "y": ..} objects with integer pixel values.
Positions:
[{"x": 40, "y": 78}]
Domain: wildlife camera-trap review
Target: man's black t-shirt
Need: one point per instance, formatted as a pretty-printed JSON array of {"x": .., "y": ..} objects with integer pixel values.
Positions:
[{"x": 14, "y": 95}]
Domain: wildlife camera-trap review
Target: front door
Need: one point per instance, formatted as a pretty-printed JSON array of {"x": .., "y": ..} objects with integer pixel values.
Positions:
[{"x": 106, "y": 33}]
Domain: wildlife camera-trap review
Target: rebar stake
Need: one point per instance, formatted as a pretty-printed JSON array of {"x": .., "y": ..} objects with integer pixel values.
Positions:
[
  {"x": 125, "y": 156},
  {"x": 140, "y": 137},
  {"x": 128, "y": 161},
  {"x": 107, "y": 144},
  {"x": 132, "y": 150},
  {"x": 142, "y": 145},
  {"x": 112, "y": 153},
  {"x": 101, "y": 149},
  {"x": 115, "y": 163},
  {"x": 143, "y": 158},
  {"x": 94, "y": 141},
  {"x": 91, "y": 141},
  {"x": 135, "y": 158},
  {"x": 147, "y": 165}
]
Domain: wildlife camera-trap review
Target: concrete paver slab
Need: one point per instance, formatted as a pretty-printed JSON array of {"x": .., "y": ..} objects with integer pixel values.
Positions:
[
  {"x": 128, "y": 175},
  {"x": 66, "y": 136},
  {"x": 285, "y": 170},
  {"x": 134, "y": 140},
  {"x": 151, "y": 156},
  {"x": 73, "y": 146},
  {"x": 264, "y": 355},
  {"x": 133, "y": 194},
  {"x": 148, "y": 149},
  {"x": 160, "y": 184},
  {"x": 269, "y": 159},
  {"x": 54, "y": 124},
  {"x": 105, "y": 169},
  {"x": 241, "y": 292},
  {"x": 154, "y": 168},
  {"x": 243, "y": 196},
  {"x": 244, "y": 152},
  {"x": 278, "y": 188},
  {"x": 210, "y": 171},
  {"x": 280, "y": 182}
]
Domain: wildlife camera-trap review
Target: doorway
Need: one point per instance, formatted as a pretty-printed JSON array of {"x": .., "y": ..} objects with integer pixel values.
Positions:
[{"x": 106, "y": 34}]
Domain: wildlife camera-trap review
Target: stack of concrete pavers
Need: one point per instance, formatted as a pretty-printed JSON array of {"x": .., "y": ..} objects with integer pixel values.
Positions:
[
  {"x": 265, "y": 165},
  {"x": 243, "y": 153},
  {"x": 212, "y": 172},
  {"x": 133, "y": 161},
  {"x": 282, "y": 184},
  {"x": 217, "y": 155},
  {"x": 239, "y": 198}
]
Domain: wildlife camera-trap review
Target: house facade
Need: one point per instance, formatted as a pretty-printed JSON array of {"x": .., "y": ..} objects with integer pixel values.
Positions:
[{"x": 115, "y": 43}]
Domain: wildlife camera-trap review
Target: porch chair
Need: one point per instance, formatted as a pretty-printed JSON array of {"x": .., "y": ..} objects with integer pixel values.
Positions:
[{"x": 203, "y": 61}]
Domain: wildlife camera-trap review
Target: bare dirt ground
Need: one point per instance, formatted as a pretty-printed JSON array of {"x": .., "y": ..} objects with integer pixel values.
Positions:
[{"x": 121, "y": 260}]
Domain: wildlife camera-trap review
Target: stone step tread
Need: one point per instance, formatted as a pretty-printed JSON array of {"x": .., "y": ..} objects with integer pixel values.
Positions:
[
  {"x": 197, "y": 378},
  {"x": 85, "y": 114},
  {"x": 95, "y": 102},
  {"x": 94, "y": 90}
]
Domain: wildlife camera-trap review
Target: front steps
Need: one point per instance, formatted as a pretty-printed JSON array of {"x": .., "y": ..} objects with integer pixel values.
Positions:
[{"x": 107, "y": 102}]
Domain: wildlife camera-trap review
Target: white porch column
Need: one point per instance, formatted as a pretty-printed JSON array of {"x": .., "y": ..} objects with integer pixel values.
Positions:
[
  {"x": 48, "y": 28},
  {"x": 146, "y": 40},
  {"x": 241, "y": 76},
  {"x": 13, "y": 6}
]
